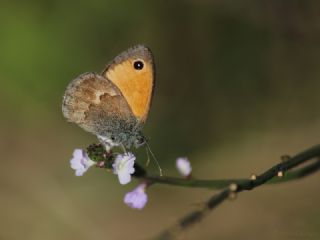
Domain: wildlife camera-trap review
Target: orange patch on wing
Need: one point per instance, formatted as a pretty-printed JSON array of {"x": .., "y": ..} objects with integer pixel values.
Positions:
[{"x": 135, "y": 85}]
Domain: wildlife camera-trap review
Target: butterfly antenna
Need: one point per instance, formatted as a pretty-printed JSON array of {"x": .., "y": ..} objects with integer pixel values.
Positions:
[
  {"x": 148, "y": 158},
  {"x": 155, "y": 159}
]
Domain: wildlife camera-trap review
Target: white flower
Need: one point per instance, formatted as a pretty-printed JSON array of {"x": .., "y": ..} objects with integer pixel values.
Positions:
[
  {"x": 184, "y": 167},
  {"x": 137, "y": 198},
  {"x": 123, "y": 166},
  {"x": 80, "y": 162}
]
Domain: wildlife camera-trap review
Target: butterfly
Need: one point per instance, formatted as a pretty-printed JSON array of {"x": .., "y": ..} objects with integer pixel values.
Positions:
[{"x": 114, "y": 105}]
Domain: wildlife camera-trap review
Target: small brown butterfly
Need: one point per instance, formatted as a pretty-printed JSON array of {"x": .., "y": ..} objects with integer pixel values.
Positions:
[{"x": 114, "y": 105}]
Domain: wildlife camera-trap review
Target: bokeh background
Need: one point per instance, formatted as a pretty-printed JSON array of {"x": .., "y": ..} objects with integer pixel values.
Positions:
[{"x": 237, "y": 87}]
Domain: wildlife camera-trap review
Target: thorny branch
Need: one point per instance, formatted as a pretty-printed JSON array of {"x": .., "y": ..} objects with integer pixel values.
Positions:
[{"x": 237, "y": 186}]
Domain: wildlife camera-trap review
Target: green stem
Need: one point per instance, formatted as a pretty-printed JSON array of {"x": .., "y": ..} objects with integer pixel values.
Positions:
[
  {"x": 267, "y": 177},
  {"x": 193, "y": 183}
]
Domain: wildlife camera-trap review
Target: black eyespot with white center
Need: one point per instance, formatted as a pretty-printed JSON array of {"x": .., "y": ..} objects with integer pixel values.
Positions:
[{"x": 138, "y": 65}]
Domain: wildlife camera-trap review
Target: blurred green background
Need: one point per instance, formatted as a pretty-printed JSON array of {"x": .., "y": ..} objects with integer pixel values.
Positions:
[{"x": 237, "y": 87}]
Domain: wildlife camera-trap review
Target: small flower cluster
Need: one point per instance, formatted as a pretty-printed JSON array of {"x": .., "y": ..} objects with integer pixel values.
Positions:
[
  {"x": 123, "y": 165},
  {"x": 80, "y": 162}
]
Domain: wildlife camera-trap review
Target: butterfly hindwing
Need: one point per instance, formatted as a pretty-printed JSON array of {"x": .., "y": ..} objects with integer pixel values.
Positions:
[{"x": 98, "y": 106}]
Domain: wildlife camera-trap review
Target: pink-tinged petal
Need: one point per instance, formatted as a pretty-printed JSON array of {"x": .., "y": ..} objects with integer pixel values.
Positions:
[
  {"x": 131, "y": 166},
  {"x": 80, "y": 172},
  {"x": 78, "y": 153},
  {"x": 80, "y": 162},
  {"x": 184, "y": 167},
  {"x": 124, "y": 178},
  {"x": 123, "y": 166},
  {"x": 75, "y": 163},
  {"x": 137, "y": 198}
]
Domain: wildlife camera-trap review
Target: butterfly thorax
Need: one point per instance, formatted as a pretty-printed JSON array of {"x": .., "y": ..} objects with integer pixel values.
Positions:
[{"x": 123, "y": 139}]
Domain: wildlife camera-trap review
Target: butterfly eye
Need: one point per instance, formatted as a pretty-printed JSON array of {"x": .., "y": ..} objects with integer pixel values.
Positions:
[{"x": 138, "y": 64}]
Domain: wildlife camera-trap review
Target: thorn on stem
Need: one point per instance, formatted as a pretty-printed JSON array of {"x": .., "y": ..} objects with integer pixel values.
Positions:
[
  {"x": 233, "y": 187},
  {"x": 280, "y": 174},
  {"x": 253, "y": 177}
]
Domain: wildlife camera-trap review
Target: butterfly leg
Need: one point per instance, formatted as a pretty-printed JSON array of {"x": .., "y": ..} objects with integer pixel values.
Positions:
[
  {"x": 107, "y": 142},
  {"x": 123, "y": 148}
]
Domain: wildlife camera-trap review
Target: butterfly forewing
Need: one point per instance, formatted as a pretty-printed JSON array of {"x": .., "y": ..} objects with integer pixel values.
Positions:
[{"x": 133, "y": 73}]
